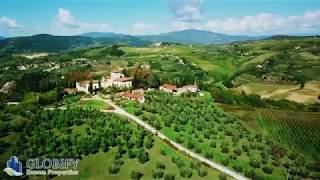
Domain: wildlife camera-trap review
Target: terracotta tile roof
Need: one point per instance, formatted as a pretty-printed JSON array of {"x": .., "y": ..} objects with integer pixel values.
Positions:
[{"x": 132, "y": 95}]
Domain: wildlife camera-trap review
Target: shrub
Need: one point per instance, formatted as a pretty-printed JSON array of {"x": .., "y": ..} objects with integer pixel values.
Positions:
[
  {"x": 225, "y": 149},
  {"x": 179, "y": 140},
  {"x": 186, "y": 173},
  {"x": 198, "y": 150},
  {"x": 249, "y": 173},
  {"x": 267, "y": 169},
  {"x": 132, "y": 153},
  {"x": 169, "y": 177},
  {"x": 143, "y": 156},
  {"x": 245, "y": 148},
  {"x": 119, "y": 162},
  {"x": 209, "y": 155},
  {"x": 222, "y": 177},
  {"x": 264, "y": 161},
  {"x": 255, "y": 163},
  {"x": 163, "y": 152},
  {"x": 237, "y": 151},
  {"x": 225, "y": 162},
  {"x": 213, "y": 144},
  {"x": 113, "y": 169},
  {"x": 136, "y": 175},
  {"x": 202, "y": 172},
  {"x": 190, "y": 144},
  {"x": 137, "y": 112},
  {"x": 237, "y": 167},
  {"x": 157, "y": 173},
  {"x": 159, "y": 165}
]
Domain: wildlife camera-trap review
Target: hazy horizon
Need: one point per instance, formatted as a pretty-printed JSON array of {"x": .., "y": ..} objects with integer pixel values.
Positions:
[{"x": 243, "y": 17}]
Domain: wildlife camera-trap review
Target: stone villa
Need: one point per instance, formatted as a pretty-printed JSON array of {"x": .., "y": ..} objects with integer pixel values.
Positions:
[{"x": 116, "y": 79}]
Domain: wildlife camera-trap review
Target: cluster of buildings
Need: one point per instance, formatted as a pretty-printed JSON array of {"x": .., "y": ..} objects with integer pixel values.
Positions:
[
  {"x": 116, "y": 79},
  {"x": 138, "y": 95}
]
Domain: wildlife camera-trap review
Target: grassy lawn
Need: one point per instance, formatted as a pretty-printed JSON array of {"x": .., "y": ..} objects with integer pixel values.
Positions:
[
  {"x": 94, "y": 104},
  {"x": 129, "y": 105}
]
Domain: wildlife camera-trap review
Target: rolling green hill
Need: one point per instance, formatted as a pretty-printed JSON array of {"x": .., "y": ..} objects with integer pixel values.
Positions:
[{"x": 50, "y": 43}]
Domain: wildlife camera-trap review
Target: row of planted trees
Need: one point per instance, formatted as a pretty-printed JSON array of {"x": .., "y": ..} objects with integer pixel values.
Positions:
[{"x": 204, "y": 128}]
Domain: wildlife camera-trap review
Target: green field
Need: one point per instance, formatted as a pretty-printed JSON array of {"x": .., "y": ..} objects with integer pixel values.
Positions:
[
  {"x": 300, "y": 130},
  {"x": 295, "y": 130},
  {"x": 94, "y": 104}
]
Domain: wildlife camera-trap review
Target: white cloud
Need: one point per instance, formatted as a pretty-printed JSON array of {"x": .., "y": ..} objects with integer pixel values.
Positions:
[
  {"x": 65, "y": 19},
  {"x": 66, "y": 23},
  {"x": 267, "y": 23},
  {"x": 8, "y": 23},
  {"x": 188, "y": 10}
]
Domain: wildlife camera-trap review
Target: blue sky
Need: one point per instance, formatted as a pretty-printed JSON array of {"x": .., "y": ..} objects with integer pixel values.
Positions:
[{"x": 70, "y": 17}]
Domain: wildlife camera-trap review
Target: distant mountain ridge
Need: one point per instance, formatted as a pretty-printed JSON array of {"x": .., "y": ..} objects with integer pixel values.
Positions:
[
  {"x": 1, "y": 37},
  {"x": 51, "y": 43},
  {"x": 192, "y": 36},
  {"x": 45, "y": 43}
]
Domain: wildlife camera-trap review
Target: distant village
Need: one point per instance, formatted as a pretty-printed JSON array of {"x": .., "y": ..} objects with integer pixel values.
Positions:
[{"x": 118, "y": 79}]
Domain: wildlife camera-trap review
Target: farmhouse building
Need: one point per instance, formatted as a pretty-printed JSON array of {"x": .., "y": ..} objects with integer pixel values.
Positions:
[
  {"x": 173, "y": 89},
  {"x": 84, "y": 86},
  {"x": 116, "y": 79},
  {"x": 168, "y": 88},
  {"x": 188, "y": 88},
  {"x": 134, "y": 96}
]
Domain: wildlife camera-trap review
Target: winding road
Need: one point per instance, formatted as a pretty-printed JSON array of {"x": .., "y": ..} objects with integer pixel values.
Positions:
[{"x": 120, "y": 111}]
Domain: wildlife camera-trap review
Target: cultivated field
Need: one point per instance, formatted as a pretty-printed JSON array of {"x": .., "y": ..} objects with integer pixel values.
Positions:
[
  {"x": 296, "y": 129},
  {"x": 309, "y": 94}
]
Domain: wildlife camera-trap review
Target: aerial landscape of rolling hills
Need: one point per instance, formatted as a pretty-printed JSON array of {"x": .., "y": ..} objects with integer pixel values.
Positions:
[{"x": 202, "y": 91}]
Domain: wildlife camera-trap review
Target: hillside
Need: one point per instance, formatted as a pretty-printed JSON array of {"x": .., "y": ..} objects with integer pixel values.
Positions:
[
  {"x": 189, "y": 36},
  {"x": 50, "y": 43},
  {"x": 198, "y": 37},
  {"x": 45, "y": 43}
]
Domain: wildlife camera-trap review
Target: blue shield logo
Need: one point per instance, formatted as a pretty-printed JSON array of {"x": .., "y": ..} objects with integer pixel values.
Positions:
[{"x": 14, "y": 167}]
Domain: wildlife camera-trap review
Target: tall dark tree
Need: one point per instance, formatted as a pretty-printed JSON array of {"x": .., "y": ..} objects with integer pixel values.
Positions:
[{"x": 90, "y": 88}]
